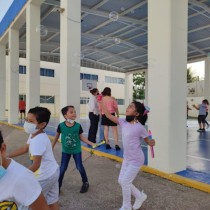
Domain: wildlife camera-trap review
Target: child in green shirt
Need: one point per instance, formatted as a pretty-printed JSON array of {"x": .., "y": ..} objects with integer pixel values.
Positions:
[{"x": 71, "y": 134}]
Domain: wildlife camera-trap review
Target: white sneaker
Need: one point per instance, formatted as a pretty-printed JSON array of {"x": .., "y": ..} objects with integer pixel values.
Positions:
[
  {"x": 123, "y": 208},
  {"x": 139, "y": 201}
]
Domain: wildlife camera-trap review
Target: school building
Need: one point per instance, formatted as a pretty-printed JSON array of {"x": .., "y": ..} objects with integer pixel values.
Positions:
[
  {"x": 158, "y": 37},
  {"x": 89, "y": 78}
]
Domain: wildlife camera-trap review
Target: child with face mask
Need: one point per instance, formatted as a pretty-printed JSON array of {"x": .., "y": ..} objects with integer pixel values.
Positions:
[
  {"x": 44, "y": 164},
  {"x": 71, "y": 134},
  {"x": 18, "y": 186},
  {"x": 133, "y": 131}
]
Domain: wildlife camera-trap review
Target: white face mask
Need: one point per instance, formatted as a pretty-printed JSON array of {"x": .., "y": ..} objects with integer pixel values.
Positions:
[
  {"x": 70, "y": 121},
  {"x": 2, "y": 169},
  {"x": 30, "y": 128}
]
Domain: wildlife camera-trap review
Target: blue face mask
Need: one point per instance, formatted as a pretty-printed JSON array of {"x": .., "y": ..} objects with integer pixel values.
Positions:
[{"x": 2, "y": 169}]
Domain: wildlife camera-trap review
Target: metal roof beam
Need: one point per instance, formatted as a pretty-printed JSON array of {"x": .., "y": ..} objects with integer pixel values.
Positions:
[
  {"x": 198, "y": 28},
  {"x": 111, "y": 54},
  {"x": 120, "y": 16},
  {"x": 201, "y": 5},
  {"x": 106, "y": 15},
  {"x": 105, "y": 64},
  {"x": 97, "y": 6},
  {"x": 197, "y": 49}
]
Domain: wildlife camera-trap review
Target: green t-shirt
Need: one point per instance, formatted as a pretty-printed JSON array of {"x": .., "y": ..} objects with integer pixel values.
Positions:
[{"x": 70, "y": 137}]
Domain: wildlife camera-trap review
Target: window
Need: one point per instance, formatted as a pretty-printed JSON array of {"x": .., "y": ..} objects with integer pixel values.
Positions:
[
  {"x": 43, "y": 72},
  {"x": 47, "y": 72},
  {"x": 114, "y": 80},
  {"x": 22, "y": 96},
  {"x": 22, "y": 69},
  {"x": 89, "y": 76},
  {"x": 47, "y": 99},
  {"x": 120, "y": 101},
  {"x": 84, "y": 100}
]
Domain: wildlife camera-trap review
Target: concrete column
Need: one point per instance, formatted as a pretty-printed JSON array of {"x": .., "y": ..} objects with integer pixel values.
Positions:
[
  {"x": 207, "y": 81},
  {"x": 128, "y": 88},
  {"x": 70, "y": 44},
  {"x": 13, "y": 76},
  {"x": 32, "y": 56},
  {"x": 167, "y": 56},
  {"x": 2, "y": 81},
  {"x": 146, "y": 87}
]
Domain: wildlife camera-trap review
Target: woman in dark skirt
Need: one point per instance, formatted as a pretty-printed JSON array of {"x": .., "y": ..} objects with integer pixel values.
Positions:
[{"x": 111, "y": 105}]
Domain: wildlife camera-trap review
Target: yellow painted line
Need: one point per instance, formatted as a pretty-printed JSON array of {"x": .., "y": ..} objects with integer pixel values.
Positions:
[
  {"x": 178, "y": 179},
  {"x": 13, "y": 126},
  {"x": 172, "y": 177}
]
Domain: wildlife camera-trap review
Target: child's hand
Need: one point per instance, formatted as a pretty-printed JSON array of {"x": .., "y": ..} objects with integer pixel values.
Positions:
[{"x": 151, "y": 142}]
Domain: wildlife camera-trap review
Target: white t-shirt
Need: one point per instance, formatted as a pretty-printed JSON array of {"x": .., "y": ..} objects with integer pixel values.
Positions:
[
  {"x": 18, "y": 187},
  {"x": 40, "y": 145}
]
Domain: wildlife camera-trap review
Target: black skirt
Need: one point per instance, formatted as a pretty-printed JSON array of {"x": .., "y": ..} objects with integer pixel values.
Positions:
[{"x": 107, "y": 121}]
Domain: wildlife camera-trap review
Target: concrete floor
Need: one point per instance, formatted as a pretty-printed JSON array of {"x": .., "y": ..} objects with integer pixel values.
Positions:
[{"x": 104, "y": 192}]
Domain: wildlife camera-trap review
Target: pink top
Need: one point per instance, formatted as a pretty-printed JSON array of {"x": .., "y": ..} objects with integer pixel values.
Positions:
[
  {"x": 132, "y": 135},
  {"x": 111, "y": 106}
]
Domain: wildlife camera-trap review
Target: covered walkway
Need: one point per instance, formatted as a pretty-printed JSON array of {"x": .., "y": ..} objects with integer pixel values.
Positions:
[{"x": 198, "y": 151}]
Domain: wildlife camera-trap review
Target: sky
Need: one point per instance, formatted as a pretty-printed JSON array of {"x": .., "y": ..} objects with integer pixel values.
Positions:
[
  {"x": 4, "y": 5},
  {"x": 198, "y": 68}
]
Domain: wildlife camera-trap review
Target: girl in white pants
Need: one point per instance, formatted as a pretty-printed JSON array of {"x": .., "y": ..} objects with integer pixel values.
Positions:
[{"x": 132, "y": 131}]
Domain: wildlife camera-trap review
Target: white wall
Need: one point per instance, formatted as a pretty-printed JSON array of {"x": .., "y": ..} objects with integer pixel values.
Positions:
[{"x": 50, "y": 85}]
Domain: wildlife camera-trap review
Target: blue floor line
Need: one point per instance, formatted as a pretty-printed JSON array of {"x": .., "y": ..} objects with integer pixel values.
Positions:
[{"x": 201, "y": 143}]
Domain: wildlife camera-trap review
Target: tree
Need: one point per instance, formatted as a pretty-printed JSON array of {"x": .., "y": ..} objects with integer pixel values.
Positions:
[
  {"x": 139, "y": 86},
  {"x": 190, "y": 76}
]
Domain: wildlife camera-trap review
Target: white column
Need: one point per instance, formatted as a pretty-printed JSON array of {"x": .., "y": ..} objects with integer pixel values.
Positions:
[
  {"x": 146, "y": 87},
  {"x": 13, "y": 76},
  {"x": 167, "y": 56},
  {"x": 207, "y": 81},
  {"x": 70, "y": 44},
  {"x": 32, "y": 56},
  {"x": 128, "y": 88},
  {"x": 2, "y": 81}
]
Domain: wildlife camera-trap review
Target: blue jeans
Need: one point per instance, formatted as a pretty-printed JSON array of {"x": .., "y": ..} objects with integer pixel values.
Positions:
[{"x": 64, "y": 165}]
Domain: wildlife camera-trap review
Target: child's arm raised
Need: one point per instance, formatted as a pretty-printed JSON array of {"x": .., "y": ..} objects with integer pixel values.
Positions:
[
  {"x": 108, "y": 115},
  {"x": 195, "y": 106},
  {"x": 84, "y": 139},
  {"x": 55, "y": 139},
  {"x": 19, "y": 151},
  {"x": 36, "y": 163}
]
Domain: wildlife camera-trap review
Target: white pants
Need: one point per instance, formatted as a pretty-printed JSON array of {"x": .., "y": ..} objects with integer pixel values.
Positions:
[{"x": 127, "y": 175}]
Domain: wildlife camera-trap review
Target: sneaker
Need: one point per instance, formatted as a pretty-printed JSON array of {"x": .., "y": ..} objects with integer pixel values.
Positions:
[
  {"x": 199, "y": 130},
  {"x": 139, "y": 201},
  {"x": 123, "y": 208},
  {"x": 203, "y": 130},
  {"x": 84, "y": 187},
  {"x": 117, "y": 147},
  {"x": 108, "y": 146}
]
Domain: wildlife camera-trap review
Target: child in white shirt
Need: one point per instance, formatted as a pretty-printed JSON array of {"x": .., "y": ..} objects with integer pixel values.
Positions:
[{"x": 44, "y": 164}]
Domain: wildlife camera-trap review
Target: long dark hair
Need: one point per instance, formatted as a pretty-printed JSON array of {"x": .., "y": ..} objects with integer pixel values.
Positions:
[
  {"x": 94, "y": 90},
  {"x": 106, "y": 91},
  {"x": 1, "y": 139},
  {"x": 140, "y": 108}
]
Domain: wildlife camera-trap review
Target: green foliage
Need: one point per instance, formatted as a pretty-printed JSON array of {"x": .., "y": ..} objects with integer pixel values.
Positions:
[
  {"x": 190, "y": 76},
  {"x": 139, "y": 86}
]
